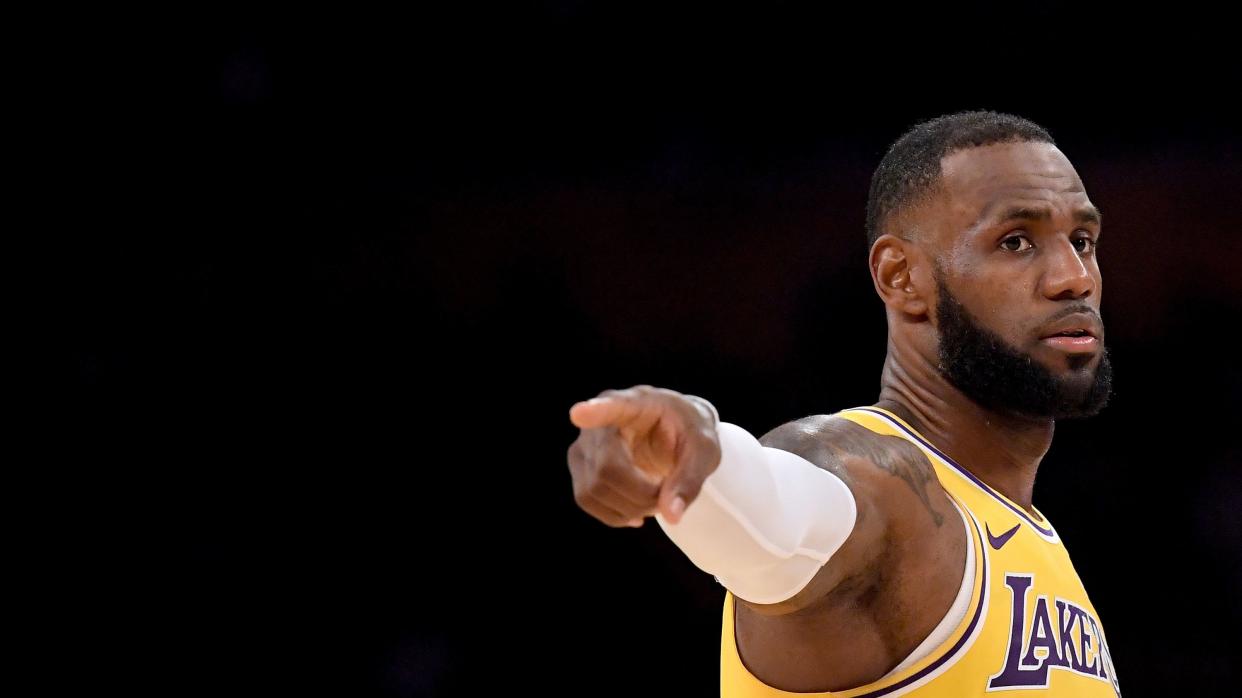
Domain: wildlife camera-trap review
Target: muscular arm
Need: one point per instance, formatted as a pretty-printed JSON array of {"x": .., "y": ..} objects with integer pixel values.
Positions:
[
  {"x": 880, "y": 592},
  {"x": 896, "y": 493},
  {"x": 884, "y": 590}
]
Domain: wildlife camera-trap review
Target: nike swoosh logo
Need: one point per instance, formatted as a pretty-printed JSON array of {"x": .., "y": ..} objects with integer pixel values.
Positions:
[{"x": 999, "y": 542}]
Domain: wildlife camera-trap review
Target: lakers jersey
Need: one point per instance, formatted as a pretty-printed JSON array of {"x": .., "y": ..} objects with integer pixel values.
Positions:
[{"x": 1029, "y": 630}]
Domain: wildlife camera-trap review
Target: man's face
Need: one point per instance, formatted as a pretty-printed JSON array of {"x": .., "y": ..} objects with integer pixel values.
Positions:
[{"x": 1019, "y": 285}]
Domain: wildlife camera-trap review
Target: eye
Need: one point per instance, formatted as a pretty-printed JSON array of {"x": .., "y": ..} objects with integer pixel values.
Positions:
[
  {"x": 1085, "y": 244},
  {"x": 1016, "y": 243}
]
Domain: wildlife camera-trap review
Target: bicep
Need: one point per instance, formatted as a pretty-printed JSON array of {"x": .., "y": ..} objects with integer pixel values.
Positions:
[{"x": 891, "y": 482}]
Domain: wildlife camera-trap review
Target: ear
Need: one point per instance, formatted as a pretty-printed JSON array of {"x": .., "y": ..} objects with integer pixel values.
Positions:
[{"x": 896, "y": 266}]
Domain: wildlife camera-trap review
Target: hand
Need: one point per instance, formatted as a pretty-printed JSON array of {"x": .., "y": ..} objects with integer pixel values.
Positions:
[{"x": 640, "y": 451}]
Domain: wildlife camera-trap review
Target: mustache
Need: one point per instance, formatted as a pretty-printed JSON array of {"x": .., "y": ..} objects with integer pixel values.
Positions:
[{"x": 1075, "y": 310}]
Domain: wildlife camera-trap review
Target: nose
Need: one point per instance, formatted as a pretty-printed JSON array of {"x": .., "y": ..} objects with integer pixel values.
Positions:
[{"x": 1068, "y": 275}]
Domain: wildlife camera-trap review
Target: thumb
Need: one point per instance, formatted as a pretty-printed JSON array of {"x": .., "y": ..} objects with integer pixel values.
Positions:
[{"x": 684, "y": 484}]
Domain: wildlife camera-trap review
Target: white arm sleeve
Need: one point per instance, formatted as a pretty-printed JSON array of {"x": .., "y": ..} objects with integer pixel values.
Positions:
[{"x": 765, "y": 521}]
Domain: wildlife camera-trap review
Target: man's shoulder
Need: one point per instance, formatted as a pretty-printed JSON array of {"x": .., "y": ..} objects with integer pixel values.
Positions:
[
  {"x": 818, "y": 431},
  {"x": 832, "y": 441}
]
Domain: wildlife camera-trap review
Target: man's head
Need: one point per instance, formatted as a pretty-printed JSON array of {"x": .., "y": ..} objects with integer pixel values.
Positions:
[{"x": 983, "y": 249}]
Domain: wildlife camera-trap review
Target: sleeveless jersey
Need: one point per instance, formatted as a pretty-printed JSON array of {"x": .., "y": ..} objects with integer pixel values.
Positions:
[{"x": 1029, "y": 631}]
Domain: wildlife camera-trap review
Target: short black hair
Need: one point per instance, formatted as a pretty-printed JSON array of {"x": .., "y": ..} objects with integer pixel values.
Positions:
[{"x": 911, "y": 168}]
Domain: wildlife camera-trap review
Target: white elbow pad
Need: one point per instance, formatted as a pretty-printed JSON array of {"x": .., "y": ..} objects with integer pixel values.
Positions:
[{"x": 765, "y": 521}]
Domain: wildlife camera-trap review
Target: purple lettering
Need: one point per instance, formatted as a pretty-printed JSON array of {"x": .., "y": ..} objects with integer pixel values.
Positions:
[
  {"x": 1067, "y": 613},
  {"x": 1103, "y": 651},
  {"x": 1041, "y": 636},
  {"x": 1026, "y": 665},
  {"x": 1013, "y": 674},
  {"x": 1092, "y": 666}
]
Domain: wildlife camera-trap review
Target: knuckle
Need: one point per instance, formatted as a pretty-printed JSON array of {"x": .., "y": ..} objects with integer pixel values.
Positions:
[
  {"x": 700, "y": 408},
  {"x": 645, "y": 392},
  {"x": 579, "y": 463},
  {"x": 708, "y": 438},
  {"x": 581, "y": 489}
]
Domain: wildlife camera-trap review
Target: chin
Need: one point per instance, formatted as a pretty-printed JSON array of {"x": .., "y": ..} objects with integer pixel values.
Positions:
[
  {"x": 1066, "y": 366},
  {"x": 1077, "y": 382},
  {"x": 1083, "y": 363}
]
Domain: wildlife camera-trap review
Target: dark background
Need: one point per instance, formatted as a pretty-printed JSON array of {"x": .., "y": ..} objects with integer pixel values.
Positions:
[{"x": 346, "y": 274}]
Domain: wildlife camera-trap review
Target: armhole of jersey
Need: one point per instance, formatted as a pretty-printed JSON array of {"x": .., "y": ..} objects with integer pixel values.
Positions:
[
  {"x": 957, "y": 610},
  {"x": 734, "y": 674}
]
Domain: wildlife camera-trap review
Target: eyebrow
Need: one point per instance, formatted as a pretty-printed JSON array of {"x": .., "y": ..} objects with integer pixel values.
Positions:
[{"x": 1090, "y": 214}]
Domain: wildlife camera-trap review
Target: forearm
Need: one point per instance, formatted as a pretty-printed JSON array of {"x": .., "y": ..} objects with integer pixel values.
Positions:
[{"x": 765, "y": 521}]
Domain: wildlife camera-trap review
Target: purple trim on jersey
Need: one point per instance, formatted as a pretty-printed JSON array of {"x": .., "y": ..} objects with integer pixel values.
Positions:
[
  {"x": 961, "y": 641},
  {"x": 982, "y": 485}
]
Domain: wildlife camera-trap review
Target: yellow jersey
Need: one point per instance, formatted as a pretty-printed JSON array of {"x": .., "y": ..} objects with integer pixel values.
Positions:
[{"x": 1030, "y": 629}]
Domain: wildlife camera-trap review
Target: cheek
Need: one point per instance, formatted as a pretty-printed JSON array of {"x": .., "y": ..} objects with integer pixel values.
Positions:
[{"x": 1004, "y": 307}]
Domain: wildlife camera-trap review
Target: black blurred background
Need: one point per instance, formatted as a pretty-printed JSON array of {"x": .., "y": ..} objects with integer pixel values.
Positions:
[{"x": 346, "y": 274}]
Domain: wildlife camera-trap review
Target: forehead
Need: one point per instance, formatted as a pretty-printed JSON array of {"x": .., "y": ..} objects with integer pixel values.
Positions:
[{"x": 976, "y": 181}]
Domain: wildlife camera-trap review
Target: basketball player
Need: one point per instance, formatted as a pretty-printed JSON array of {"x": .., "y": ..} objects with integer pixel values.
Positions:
[{"x": 893, "y": 549}]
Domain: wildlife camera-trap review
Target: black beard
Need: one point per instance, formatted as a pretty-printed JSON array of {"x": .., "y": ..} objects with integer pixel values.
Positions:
[{"x": 1000, "y": 378}]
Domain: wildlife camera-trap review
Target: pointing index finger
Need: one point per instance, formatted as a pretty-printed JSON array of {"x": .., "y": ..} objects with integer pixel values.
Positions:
[{"x": 603, "y": 411}]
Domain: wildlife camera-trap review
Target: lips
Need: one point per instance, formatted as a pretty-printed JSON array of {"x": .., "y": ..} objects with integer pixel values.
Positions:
[
  {"x": 1073, "y": 345},
  {"x": 1078, "y": 333},
  {"x": 1080, "y": 325}
]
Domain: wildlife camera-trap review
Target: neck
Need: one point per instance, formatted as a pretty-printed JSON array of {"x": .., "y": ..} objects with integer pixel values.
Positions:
[{"x": 1002, "y": 450}]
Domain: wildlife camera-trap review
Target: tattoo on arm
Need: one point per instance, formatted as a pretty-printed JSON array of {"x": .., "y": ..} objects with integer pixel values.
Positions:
[
  {"x": 904, "y": 460},
  {"x": 828, "y": 442}
]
